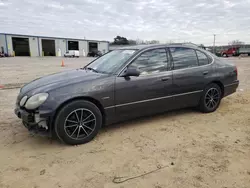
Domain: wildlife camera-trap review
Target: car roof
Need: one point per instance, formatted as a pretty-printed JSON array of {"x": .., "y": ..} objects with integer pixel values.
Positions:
[{"x": 146, "y": 46}]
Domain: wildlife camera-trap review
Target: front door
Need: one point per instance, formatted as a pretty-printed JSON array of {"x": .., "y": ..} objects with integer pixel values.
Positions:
[{"x": 148, "y": 93}]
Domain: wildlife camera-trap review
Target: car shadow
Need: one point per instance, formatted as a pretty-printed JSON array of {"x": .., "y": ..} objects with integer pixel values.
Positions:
[
  {"x": 146, "y": 119},
  {"x": 45, "y": 142}
]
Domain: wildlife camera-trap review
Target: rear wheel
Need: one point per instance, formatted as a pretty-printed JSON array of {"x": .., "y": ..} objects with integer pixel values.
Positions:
[
  {"x": 211, "y": 98},
  {"x": 78, "y": 122}
]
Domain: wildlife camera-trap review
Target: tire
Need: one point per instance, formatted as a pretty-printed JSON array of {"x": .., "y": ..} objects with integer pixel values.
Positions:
[
  {"x": 66, "y": 122},
  {"x": 209, "y": 103}
]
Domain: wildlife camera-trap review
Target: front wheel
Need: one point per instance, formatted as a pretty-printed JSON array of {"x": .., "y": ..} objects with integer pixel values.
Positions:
[
  {"x": 78, "y": 122},
  {"x": 211, "y": 98}
]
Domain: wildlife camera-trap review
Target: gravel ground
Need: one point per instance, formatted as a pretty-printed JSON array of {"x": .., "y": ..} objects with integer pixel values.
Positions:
[
  {"x": 177, "y": 149},
  {"x": 19, "y": 70}
]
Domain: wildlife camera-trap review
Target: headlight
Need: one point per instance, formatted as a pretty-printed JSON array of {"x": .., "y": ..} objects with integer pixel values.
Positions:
[
  {"x": 36, "y": 100},
  {"x": 23, "y": 100}
]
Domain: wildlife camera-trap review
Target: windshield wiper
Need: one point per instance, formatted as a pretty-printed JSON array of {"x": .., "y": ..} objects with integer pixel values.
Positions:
[{"x": 89, "y": 68}]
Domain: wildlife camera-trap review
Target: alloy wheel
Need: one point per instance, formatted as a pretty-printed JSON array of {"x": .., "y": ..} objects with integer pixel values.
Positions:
[
  {"x": 80, "y": 123},
  {"x": 212, "y": 98}
]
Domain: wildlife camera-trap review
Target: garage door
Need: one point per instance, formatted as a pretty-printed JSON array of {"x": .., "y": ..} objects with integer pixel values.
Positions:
[
  {"x": 21, "y": 46},
  {"x": 48, "y": 47}
]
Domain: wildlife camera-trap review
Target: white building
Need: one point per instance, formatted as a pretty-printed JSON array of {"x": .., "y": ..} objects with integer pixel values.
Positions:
[{"x": 27, "y": 45}]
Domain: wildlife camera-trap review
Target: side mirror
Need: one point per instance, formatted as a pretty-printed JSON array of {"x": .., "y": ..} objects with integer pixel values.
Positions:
[{"x": 131, "y": 72}]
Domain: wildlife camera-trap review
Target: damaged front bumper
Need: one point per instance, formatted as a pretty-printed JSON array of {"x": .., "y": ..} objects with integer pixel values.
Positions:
[{"x": 35, "y": 122}]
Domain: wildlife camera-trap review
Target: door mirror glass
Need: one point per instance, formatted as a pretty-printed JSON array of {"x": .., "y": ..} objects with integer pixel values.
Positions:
[{"x": 131, "y": 72}]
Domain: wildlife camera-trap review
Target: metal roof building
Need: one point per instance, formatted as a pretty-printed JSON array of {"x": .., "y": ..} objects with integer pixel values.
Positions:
[{"x": 29, "y": 45}]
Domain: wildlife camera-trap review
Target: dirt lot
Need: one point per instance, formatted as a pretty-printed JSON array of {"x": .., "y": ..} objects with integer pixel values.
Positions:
[
  {"x": 19, "y": 70},
  {"x": 180, "y": 149}
]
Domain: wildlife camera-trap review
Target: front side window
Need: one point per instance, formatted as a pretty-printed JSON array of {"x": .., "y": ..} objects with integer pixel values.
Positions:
[
  {"x": 203, "y": 60},
  {"x": 183, "y": 57},
  {"x": 110, "y": 62},
  {"x": 151, "y": 61}
]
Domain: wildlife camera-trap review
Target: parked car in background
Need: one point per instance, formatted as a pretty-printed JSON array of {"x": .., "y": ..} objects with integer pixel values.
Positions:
[
  {"x": 124, "y": 84},
  {"x": 2, "y": 54},
  {"x": 94, "y": 53},
  {"x": 242, "y": 50},
  {"x": 72, "y": 53},
  {"x": 236, "y": 51},
  {"x": 229, "y": 52}
]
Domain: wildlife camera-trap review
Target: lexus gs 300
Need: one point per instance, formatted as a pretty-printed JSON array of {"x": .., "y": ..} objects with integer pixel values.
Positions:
[{"x": 123, "y": 84}]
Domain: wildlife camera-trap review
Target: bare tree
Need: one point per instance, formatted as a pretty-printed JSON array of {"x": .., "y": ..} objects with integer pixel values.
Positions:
[
  {"x": 131, "y": 42},
  {"x": 154, "y": 42},
  {"x": 236, "y": 43},
  {"x": 147, "y": 41}
]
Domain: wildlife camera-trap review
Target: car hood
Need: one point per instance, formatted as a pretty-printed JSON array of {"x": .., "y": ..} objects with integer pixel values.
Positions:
[{"x": 50, "y": 82}]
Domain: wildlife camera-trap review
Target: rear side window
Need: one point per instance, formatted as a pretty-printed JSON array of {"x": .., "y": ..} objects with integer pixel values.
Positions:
[
  {"x": 203, "y": 60},
  {"x": 183, "y": 57}
]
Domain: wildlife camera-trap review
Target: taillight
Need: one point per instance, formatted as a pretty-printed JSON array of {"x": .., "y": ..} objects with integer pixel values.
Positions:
[{"x": 236, "y": 71}]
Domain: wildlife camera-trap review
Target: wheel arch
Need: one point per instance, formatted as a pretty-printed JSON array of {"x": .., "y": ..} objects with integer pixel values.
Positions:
[
  {"x": 86, "y": 98},
  {"x": 220, "y": 84}
]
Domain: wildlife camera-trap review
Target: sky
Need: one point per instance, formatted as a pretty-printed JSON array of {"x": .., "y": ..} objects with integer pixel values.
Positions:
[{"x": 164, "y": 20}]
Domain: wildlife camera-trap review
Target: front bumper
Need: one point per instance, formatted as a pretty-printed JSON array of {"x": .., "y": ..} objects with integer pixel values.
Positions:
[{"x": 35, "y": 122}]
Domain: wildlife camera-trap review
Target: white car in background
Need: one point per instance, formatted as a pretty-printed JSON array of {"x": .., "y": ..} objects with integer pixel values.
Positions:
[{"x": 72, "y": 53}]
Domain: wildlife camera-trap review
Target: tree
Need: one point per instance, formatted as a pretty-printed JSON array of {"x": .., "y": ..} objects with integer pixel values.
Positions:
[
  {"x": 202, "y": 46},
  {"x": 236, "y": 43},
  {"x": 152, "y": 42},
  {"x": 147, "y": 41},
  {"x": 131, "y": 42},
  {"x": 120, "y": 40}
]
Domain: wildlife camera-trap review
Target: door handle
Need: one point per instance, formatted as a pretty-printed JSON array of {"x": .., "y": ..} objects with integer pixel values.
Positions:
[
  {"x": 205, "y": 72},
  {"x": 165, "y": 79}
]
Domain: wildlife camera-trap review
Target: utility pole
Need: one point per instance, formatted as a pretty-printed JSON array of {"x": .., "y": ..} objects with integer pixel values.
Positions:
[{"x": 214, "y": 45}]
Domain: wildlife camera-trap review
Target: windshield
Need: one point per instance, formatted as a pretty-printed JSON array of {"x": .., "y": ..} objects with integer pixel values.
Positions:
[{"x": 111, "y": 62}]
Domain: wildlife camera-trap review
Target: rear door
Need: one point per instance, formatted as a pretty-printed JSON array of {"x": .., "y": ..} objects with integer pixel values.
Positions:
[
  {"x": 191, "y": 72},
  {"x": 148, "y": 93}
]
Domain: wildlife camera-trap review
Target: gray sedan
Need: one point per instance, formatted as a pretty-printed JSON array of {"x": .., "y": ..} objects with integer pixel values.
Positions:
[{"x": 123, "y": 84}]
